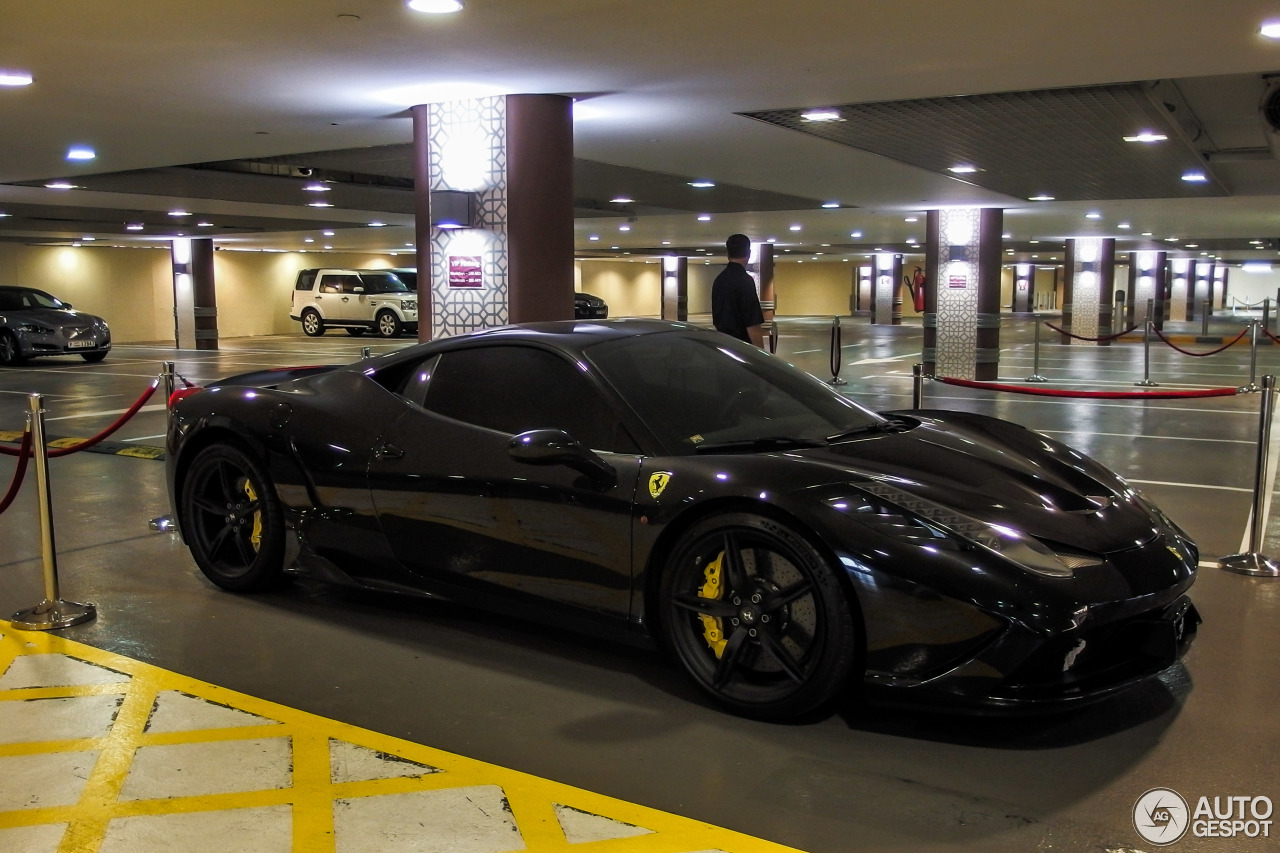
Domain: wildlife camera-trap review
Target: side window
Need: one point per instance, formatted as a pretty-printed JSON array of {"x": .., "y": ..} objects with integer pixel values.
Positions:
[
  {"x": 306, "y": 280},
  {"x": 331, "y": 284},
  {"x": 513, "y": 389}
]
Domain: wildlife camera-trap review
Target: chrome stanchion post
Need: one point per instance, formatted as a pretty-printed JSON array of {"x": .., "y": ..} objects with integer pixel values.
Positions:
[
  {"x": 1146, "y": 357},
  {"x": 1252, "y": 562},
  {"x": 1204, "y": 318},
  {"x": 1253, "y": 356},
  {"x": 1266, "y": 311},
  {"x": 917, "y": 385},
  {"x": 1035, "y": 363},
  {"x": 835, "y": 352},
  {"x": 164, "y": 523},
  {"x": 366, "y": 352},
  {"x": 53, "y": 612}
]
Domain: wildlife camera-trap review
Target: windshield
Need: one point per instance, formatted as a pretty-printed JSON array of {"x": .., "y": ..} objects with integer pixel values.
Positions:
[
  {"x": 701, "y": 389},
  {"x": 382, "y": 282},
  {"x": 16, "y": 300}
]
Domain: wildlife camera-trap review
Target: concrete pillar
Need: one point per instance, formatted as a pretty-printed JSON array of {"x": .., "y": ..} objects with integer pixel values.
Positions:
[
  {"x": 1090, "y": 281},
  {"x": 1024, "y": 285},
  {"x": 886, "y": 285},
  {"x": 206, "y": 295},
  {"x": 1180, "y": 293},
  {"x": 511, "y": 157},
  {"x": 962, "y": 295},
  {"x": 675, "y": 288}
]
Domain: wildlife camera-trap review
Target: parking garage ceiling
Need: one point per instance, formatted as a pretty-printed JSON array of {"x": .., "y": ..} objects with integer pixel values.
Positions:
[{"x": 225, "y": 111}]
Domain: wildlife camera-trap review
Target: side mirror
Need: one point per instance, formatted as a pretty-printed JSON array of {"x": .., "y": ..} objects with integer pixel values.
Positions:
[
  {"x": 357, "y": 290},
  {"x": 557, "y": 447}
]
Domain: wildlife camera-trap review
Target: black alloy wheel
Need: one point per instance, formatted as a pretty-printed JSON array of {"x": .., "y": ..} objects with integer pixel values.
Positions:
[
  {"x": 232, "y": 520},
  {"x": 758, "y": 618},
  {"x": 388, "y": 324},
  {"x": 312, "y": 323},
  {"x": 10, "y": 354}
]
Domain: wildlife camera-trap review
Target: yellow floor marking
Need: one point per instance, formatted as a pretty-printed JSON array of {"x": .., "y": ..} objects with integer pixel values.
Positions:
[{"x": 313, "y": 794}]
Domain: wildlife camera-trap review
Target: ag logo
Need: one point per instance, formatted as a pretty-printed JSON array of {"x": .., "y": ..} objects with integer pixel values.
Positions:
[
  {"x": 1161, "y": 816},
  {"x": 658, "y": 482}
]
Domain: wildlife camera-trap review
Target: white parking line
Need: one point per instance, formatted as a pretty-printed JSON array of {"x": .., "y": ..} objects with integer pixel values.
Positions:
[{"x": 1188, "y": 485}]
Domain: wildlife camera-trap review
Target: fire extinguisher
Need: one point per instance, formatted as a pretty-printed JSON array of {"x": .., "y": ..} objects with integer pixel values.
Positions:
[{"x": 915, "y": 284}]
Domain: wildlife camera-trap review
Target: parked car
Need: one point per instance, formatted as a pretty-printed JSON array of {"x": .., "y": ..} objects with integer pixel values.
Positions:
[
  {"x": 662, "y": 483},
  {"x": 34, "y": 323},
  {"x": 355, "y": 300},
  {"x": 589, "y": 307}
]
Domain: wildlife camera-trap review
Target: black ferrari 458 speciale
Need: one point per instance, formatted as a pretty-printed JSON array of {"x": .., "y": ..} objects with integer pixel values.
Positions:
[{"x": 665, "y": 483}]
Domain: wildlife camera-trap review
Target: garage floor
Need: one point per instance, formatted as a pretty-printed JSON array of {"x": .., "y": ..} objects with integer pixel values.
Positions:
[{"x": 403, "y": 677}]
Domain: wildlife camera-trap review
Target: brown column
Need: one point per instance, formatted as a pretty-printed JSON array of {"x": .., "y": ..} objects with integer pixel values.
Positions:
[
  {"x": 206, "y": 296},
  {"x": 1106, "y": 289},
  {"x": 540, "y": 207},
  {"x": 675, "y": 289},
  {"x": 929, "y": 320},
  {"x": 422, "y": 216},
  {"x": 1068, "y": 286},
  {"x": 990, "y": 227}
]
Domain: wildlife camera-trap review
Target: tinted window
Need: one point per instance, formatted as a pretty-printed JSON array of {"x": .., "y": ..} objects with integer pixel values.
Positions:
[
  {"x": 694, "y": 388},
  {"x": 306, "y": 280},
  {"x": 381, "y": 282},
  {"x": 514, "y": 389}
]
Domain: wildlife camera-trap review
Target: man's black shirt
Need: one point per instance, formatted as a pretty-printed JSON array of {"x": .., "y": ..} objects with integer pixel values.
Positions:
[{"x": 734, "y": 304}]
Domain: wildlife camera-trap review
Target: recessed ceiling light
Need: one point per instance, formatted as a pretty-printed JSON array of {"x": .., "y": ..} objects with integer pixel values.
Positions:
[
  {"x": 436, "y": 7},
  {"x": 704, "y": 217},
  {"x": 1194, "y": 246},
  {"x": 204, "y": 224},
  {"x": 1171, "y": 239},
  {"x": 855, "y": 234},
  {"x": 772, "y": 240},
  {"x": 1006, "y": 236},
  {"x": 666, "y": 242},
  {"x": 1146, "y": 233},
  {"x": 1271, "y": 29},
  {"x": 80, "y": 152},
  {"x": 1041, "y": 198},
  {"x": 622, "y": 199},
  {"x": 912, "y": 219},
  {"x": 962, "y": 169},
  {"x": 179, "y": 213},
  {"x": 377, "y": 224},
  {"x": 795, "y": 227},
  {"x": 1195, "y": 177},
  {"x": 60, "y": 185},
  {"x": 327, "y": 233},
  {"x": 1124, "y": 225},
  {"x": 1145, "y": 136},
  {"x": 594, "y": 237},
  {"x": 1093, "y": 215},
  {"x": 1033, "y": 241},
  {"x": 308, "y": 239},
  {"x": 830, "y": 204},
  {"x": 624, "y": 227},
  {"x": 821, "y": 115},
  {"x": 317, "y": 188},
  {"x": 14, "y": 77},
  {"x": 320, "y": 204},
  {"x": 132, "y": 226},
  {"x": 702, "y": 184}
]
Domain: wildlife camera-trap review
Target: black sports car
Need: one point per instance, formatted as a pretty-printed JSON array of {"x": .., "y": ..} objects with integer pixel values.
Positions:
[{"x": 662, "y": 482}]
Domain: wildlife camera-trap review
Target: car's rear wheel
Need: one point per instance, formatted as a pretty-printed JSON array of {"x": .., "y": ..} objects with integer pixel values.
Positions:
[
  {"x": 355, "y": 331},
  {"x": 758, "y": 617},
  {"x": 389, "y": 325},
  {"x": 312, "y": 323},
  {"x": 232, "y": 520},
  {"x": 93, "y": 357},
  {"x": 10, "y": 353}
]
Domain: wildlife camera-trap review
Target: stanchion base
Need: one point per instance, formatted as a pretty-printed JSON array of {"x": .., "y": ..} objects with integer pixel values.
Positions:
[
  {"x": 1147, "y": 383},
  {"x": 162, "y": 524},
  {"x": 1036, "y": 377},
  {"x": 51, "y": 615},
  {"x": 1257, "y": 565},
  {"x": 837, "y": 381}
]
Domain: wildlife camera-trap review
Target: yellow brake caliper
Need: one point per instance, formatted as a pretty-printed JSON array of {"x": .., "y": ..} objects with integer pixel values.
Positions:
[
  {"x": 712, "y": 629},
  {"x": 255, "y": 538}
]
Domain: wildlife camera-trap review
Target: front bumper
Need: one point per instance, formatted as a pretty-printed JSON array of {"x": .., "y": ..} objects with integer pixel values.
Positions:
[{"x": 34, "y": 344}]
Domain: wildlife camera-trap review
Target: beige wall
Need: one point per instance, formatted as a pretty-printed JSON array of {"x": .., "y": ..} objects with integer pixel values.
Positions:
[{"x": 632, "y": 289}]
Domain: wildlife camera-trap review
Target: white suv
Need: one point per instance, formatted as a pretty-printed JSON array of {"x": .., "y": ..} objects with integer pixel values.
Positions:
[{"x": 356, "y": 300}]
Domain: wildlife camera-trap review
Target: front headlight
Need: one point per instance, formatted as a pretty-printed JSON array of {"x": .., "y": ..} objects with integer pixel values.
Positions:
[
  {"x": 409, "y": 305},
  {"x": 1016, "y": 546},
  {"x": 35, "y": 329}
]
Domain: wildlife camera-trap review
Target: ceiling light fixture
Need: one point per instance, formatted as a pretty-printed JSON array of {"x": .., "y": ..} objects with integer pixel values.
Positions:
[
  {"x": 795, "y": 227},
  {"x": 436, "y": 7},
  {"x": 1093, "y": 215},
  {"x": 704, "y": 217},
  {"x": 1146, "y": 136},
  {"x": 962, "y": 169},
  {"x": 702, "y": 184},
  {"x": 60, "y": 185},
  {"x": 594, "y": 237},
  {"x": 80, "y": 152},
  {"x": 622, "y": 199},
  {"x": 134, "y": 226},
  {"x": 821, "y": 115},
  {"x": 1195, "y": 177},
  {"x": 317, "y": 188},
  {"x": 1041, "y": 198},
  {"x": 1271, "y": 29},
  {"x": 179, "y": 213},
  {"x": 377, "y": 224},
  {"x": 319, "y": 204},
  {"x": 624, "y": 227},
  {"x": 855, "y": 234},
  {"x": 14, "y": 77},
  {"x": 829, "y": 205}
]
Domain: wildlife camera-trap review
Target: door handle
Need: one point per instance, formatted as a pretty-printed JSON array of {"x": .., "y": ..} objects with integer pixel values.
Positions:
[{"x": 387, "y": 451}]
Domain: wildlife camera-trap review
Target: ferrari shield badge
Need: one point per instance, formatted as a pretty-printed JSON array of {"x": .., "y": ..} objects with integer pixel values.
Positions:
[{"x": 658, "y": 482}]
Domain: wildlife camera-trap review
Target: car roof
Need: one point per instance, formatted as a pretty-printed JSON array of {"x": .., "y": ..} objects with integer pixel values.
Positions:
[{"x": 576, "y": 334}]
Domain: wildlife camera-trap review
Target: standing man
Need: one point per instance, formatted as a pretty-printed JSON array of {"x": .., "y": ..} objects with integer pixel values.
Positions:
[{"x": 735, "y": 306}]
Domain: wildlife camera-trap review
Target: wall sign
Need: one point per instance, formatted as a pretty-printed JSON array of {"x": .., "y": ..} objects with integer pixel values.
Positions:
[
  {"x": 958, "y": 281},
  {"x": 465, "y": 271}
]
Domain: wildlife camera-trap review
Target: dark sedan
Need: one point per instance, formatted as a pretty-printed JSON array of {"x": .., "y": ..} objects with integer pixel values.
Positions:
[
  {"x": 663, "y": 483},
  {"x": 587, "y": 306},
  {"x": 34, "y": 323}
]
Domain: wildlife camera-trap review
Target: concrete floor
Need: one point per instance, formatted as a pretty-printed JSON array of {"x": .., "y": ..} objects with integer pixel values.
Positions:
[{"x": 625, "y": 723}]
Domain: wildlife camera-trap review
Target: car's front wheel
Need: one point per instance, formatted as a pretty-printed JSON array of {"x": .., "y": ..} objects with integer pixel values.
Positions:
[
  {"x": 312, "y": 323},
  {"x": 232, "y": 520},
  {"x": 10, "y": 353},
  {"x": 93, "y": 357},
  {"x": 389, "y": 325},
  {"x": 758, "y": 617}
]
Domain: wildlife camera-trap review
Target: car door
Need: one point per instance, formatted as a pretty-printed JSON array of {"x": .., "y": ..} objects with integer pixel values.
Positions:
[{"x": 458, "y": 509}]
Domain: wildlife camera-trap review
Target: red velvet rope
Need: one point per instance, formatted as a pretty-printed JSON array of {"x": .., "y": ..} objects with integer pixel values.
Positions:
[
  {"x": 1229, "y": 343},
  {"x": 19, "y": 471},
  {"x": 1083, "y": 338},
  {"x": 1107, "y": 395},
  {"x": 90, "y": 442},
  {"x": 1267, "y": 332}
]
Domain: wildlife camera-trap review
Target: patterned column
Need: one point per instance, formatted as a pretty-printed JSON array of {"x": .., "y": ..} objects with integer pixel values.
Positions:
[
  {"x": 675, "y": 288},
  {"x": 1144, "y": 270},
  {"x": 885, "y": 288},
  {"x": 962, "y": 297},
  {"x": 514, "y": 153},
  {"x": 1090, "y": 276},
  {"x": 1179, "y": 289},
  {"x": 1202, "y": 300},
  {"x": 1220, "y": 286}
]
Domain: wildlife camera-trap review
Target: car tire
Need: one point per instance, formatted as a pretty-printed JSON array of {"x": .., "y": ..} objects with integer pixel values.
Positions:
[
  {"x": 232, "y": 520},
  {"x": 10, "y": 352},
  {"x": 356, "y": 331},
  {"x": 758, "y": 618},
  {"x": 312, "y": 323},
  {"x": 388, "y": 324},
  {"x": 93, "y": 357}
]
